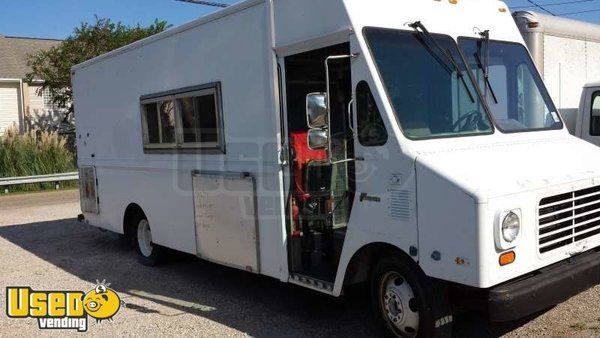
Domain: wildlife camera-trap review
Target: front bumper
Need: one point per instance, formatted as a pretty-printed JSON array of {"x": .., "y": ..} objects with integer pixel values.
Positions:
[{"x": 545, "y": 288}]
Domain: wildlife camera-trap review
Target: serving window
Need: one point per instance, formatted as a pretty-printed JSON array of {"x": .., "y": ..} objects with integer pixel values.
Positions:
[{"x": 185, "y": 119}]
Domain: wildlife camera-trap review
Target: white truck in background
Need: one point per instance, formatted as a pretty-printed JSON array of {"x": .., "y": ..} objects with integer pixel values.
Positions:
[
  {"x": 587, "y": 125},
  {"x": 567, "y": 54}
]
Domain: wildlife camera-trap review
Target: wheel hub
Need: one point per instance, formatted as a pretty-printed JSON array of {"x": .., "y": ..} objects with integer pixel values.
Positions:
[
  {"x": 394, "y": 306},
  {"x": 399, "y": 304},
  {"x": 144, "y": 236}
]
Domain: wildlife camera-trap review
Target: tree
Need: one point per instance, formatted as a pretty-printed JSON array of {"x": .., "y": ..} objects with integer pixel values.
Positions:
[{"x": 53, "y": 66}]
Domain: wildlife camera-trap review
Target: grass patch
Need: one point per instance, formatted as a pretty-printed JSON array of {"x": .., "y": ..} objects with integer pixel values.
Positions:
[{"x": 35, "y": 153}]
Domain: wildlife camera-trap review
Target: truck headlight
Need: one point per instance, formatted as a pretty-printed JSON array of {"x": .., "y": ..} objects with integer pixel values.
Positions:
[{"x": 511, "y": 227}]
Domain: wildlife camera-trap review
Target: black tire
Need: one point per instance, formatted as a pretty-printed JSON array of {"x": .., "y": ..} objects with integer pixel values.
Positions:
[
  {"x": 430, "y": 301},
  {"x": 156, "y": 255}
]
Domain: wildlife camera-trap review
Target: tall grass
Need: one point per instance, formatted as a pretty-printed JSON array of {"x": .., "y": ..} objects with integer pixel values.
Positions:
[{"x": 34, "y": 153}]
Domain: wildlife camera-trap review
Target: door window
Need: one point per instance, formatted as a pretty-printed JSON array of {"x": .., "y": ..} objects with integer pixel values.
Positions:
[
  {"x": 371, "y": 130},
  {"x": 595, "y": 118}
]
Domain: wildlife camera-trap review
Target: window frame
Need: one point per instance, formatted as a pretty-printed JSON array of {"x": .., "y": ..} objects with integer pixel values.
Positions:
[
  {"x": 595, "y": 96},
  {"x": 543, "y": 90},
  {"x": 180, "y": 146},
  {"x": 49, "y": 106},
  {"x": 147, "y": 144},
  {"x": 484, "y": 104}
]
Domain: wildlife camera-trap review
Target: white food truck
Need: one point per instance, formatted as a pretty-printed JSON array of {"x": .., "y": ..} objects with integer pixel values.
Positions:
[{"x": 408, "y": 145}]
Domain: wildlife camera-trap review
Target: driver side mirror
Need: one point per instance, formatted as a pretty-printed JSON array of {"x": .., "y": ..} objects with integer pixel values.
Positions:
[
  {"x": 318, "y": 139},
  {"x": 316, "y": 110}
]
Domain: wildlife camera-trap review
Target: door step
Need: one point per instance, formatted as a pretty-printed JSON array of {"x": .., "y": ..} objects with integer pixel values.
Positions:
[{"x": 312, "y": 283}]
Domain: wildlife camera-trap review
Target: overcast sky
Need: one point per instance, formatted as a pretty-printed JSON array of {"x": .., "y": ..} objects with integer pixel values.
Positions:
[{"x": 57, "y": 18}]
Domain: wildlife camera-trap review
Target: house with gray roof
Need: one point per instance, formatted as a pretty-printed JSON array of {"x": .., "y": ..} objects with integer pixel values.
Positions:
[{"x": 22, "y": 104}]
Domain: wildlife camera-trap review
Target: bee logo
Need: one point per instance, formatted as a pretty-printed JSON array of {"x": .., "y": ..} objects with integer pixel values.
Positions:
[
  {"x": 63, "y": 309},
  {"x": 102, "y": 303}
]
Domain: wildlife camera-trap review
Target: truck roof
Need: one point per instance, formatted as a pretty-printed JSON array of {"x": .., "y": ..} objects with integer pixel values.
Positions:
[
  {"x": 592, "y": 84},
  {"x": 559, "y": 26},
  {"x": 242, "y": 5}
]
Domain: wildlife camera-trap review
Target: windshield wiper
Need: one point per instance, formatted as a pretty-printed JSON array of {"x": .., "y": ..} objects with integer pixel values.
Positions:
[
  {"x": 420, "y": 28},
  {"x": 485, "y": 39}
]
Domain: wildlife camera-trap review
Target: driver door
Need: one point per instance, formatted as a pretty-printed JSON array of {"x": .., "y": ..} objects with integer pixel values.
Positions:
[{"x": 384, "y": 208}]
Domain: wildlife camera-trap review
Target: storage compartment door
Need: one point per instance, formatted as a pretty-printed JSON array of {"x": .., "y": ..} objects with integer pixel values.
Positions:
[{"x": 226, "y": 221}]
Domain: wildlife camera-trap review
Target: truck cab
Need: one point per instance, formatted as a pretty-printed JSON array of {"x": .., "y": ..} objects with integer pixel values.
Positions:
[{"x": 588, "y": 116}]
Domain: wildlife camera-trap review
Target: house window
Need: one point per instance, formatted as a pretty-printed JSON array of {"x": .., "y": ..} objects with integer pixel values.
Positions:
[
  {"x": 48, "y": 104},
  {"x": 186, "y": 119}
]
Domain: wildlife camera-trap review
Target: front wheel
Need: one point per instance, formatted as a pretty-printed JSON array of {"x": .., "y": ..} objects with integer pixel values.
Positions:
[
  {"x": 407, "y": 303},
  {"x": 150, "y": 253}
]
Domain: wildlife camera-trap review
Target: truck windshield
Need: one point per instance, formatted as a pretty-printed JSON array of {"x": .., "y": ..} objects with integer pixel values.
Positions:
[
  {"x": 515, "y": 92},
  {"x": 428, "y": 84}
]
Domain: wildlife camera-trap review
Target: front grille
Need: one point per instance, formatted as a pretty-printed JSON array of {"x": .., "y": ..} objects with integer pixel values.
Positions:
[{"x": 568, "y": 218}]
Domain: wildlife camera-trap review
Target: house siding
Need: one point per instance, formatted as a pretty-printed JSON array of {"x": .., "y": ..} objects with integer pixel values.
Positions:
[{"x": 19, "y": 104}]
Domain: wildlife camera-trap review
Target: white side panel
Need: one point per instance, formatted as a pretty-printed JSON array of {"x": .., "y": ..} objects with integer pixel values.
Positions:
[
  {"x": 232, "y": 50},
  {"x": 9, "y": 106},
  {"x": 564, "y": 70},
  {"x": 226, "y": 220},
  {"x": 446, "y": 229},
  {"x": 593, "y": 61},
  {"x": 110, "y": 90},
  {"x": 297, "y": 21}
]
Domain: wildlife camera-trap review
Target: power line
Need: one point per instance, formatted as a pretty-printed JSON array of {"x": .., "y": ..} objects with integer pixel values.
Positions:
[
  {"x": 580, "y": 12},
  {"x": 554, "y": 4},
  {"x": 206, "y": 3},
  {"x": 540, "y": 7}
]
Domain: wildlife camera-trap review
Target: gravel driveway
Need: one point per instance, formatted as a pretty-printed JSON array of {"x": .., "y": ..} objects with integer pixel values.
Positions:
[{"x": 43, "y": 246}]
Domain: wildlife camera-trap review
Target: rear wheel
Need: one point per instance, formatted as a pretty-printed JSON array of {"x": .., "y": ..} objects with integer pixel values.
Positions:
[
  {"x": 407, "y": 303},
  {"x": 150, "y": 253}
]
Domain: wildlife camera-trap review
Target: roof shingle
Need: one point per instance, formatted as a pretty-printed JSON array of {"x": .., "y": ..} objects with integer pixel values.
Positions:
[{"x": 14, "y": 51}]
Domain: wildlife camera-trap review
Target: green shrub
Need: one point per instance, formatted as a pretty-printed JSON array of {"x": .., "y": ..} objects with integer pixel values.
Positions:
[{"x": 34, "y": 153}]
